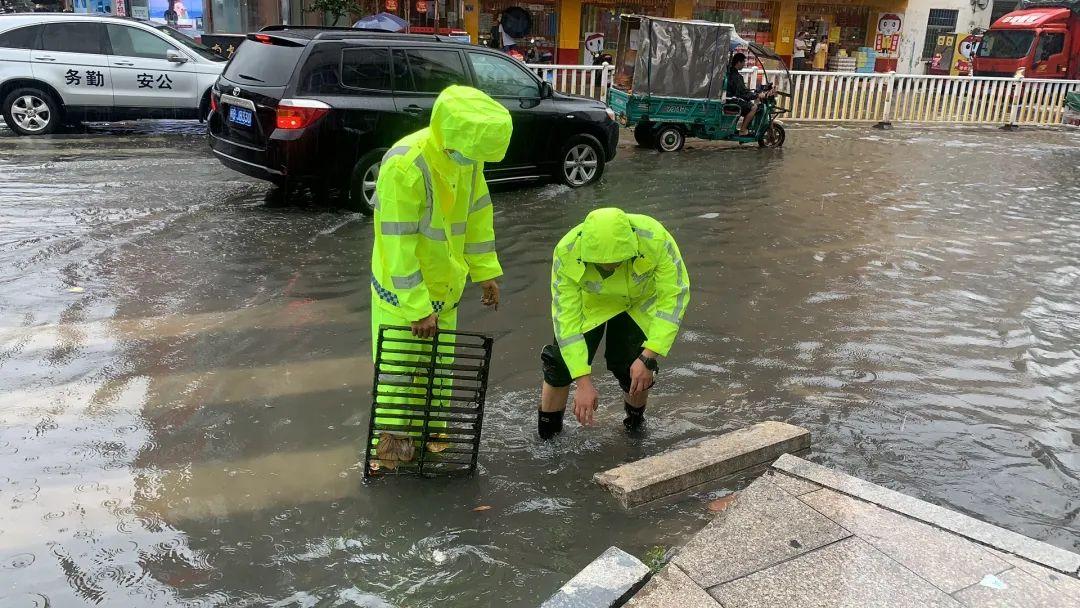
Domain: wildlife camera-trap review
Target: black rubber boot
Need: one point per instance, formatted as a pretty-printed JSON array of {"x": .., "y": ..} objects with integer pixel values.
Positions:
[
  {"x": 549, "y": 424},
  {"x": 635, "y": 417}
]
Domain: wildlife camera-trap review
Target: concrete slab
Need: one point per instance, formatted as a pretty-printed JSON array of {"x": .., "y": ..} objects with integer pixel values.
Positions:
[
  {"x": 1012, "y": 589},
  {"x": 1068, "y": 586},
  {"x": 764, "y": 526},
  {"x": 608, "y": 581},
  {"x": 672, "y": 587},
  {"x": 945, "y": 560},
  {"x": 1000, "y": 538},
  {"x": 846, "y": 574},
  {"x": 792, "y": 485},
  {"x": 678, "y": 470}
]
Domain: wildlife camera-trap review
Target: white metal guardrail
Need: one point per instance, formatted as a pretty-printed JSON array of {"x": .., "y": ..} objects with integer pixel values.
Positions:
[
  {"x": 878, "y": 98},
  {"x": 887, "y": 98},
  {"x": 585, "y": 80}
]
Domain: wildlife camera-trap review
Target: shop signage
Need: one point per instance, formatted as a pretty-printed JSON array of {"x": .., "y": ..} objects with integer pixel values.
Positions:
[
  {"x": 421, "y": 6},
  {"x": 943, "y": 54},
  {"x": 121, "y": 8},
  {"x": 391, "y": 5},
  {"x": 594, "y": 42},
  {"x": 889, "y": 26},
  {"x": 223, "y": 44},
  {"x": 183, "y": 15},
  {"x": 965, "y": 48}
]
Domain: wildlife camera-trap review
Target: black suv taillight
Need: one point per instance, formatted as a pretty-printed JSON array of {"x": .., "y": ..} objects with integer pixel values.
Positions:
[{"x": 299, "y": 113}]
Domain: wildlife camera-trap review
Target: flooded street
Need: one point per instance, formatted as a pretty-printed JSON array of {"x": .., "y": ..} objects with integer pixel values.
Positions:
[{"x": 186, "y": 366}]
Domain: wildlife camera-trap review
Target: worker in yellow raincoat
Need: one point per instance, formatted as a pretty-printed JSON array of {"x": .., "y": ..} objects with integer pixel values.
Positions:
[
  {"x": 433, "y": 219},
  {"x": 621, "y": 274}
]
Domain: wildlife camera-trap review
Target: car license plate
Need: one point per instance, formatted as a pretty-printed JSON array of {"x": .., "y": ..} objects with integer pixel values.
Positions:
[{"x": 240, "y": 116}]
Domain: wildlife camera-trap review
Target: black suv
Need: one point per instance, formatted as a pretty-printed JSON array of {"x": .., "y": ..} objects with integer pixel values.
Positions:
[{"x": 322, "y": 105}]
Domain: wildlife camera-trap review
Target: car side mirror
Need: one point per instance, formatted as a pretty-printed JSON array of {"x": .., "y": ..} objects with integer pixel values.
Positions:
[
  {"x": 546, "y": 92},
  {"x": 175, "y": 56}
]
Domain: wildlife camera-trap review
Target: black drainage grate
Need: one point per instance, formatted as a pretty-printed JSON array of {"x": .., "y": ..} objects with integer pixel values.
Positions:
[{"x": 427, "y": 403}]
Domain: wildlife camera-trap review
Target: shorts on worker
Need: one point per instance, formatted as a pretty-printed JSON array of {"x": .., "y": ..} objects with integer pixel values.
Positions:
[{"x": 623, "y": 346}]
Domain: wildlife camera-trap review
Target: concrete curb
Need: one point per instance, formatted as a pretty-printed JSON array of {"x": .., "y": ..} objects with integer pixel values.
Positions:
[
  {"x": 676, "y": 471},
  {"x": 609, "y": 580}
]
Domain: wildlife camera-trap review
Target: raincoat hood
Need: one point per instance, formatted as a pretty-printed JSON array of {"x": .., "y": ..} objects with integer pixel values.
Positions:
[
  {"x": 607, "y": 237},
  {"x": 467, "y": 120}
]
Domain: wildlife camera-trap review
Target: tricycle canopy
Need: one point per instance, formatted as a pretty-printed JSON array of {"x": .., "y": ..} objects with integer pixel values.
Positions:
[
  {"x": 773, "y": 68},
  {"x": 672, "y": 57}
]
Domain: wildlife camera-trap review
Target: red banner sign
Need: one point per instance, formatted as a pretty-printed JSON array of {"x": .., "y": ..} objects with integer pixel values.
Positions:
[{"x": 391, "y": 5}]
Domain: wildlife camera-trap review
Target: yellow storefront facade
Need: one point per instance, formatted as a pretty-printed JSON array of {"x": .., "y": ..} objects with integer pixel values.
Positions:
[{"x": 563, "y": 25}]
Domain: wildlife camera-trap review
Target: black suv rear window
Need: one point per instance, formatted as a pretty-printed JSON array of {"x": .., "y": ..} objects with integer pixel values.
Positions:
[
  {"x": 266, "y": 65},
  {"x": 20, "y": 38},
  {"x": 428, "y": 70},
  {"x": 366, "y": 69}
]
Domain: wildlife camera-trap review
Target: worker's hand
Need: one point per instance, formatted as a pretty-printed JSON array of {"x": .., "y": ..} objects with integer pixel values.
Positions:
[
  {"x": 426, "y": 328},
  {"x": 641, "y": 377},
  {"x": 491, "y": 293},
  {"x": 586, "y": 400}
]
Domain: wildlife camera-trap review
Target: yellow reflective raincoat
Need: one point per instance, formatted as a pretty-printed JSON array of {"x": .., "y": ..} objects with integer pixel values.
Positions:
[
  {"x": 652, "y": 286},
  {"x": 433, "y": 228},
  {"x": 433, "y": 216}
]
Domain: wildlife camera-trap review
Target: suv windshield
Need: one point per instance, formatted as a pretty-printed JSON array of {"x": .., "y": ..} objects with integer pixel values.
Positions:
[
  {"x": 199, "y": 49},
  {"x": 263, "y": 64},
  {"x": 1006, "y": 44}
]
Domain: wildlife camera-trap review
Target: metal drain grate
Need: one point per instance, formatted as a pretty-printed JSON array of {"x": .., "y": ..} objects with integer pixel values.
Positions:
[{"x": 427, "y": 403}]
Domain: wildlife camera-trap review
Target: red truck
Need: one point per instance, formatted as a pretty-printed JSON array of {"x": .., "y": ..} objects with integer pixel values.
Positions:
[{"x": 1042, "y": 38}]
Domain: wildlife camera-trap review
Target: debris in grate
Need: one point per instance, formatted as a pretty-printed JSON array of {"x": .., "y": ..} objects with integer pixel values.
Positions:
[{"x": 427, "y": 403}]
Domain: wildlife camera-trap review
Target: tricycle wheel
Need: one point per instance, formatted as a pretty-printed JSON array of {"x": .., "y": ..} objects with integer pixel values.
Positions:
[
  {"x": 772, "y": 137},
  {"x": 670, "y": 139},
  {"x": 644, "y": 134}
]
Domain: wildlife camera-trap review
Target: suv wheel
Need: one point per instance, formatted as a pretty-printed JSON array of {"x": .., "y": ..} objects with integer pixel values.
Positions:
[
  {"x": 31, "y": 111},
  {"x": 582, "y": 161},
  {"x": 362, "y": 182}
]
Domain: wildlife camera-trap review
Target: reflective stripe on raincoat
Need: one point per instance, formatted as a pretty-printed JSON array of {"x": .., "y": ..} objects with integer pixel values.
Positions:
[
  {"x": 652, "y": 286},
  {"x": 433, "y": 217}
]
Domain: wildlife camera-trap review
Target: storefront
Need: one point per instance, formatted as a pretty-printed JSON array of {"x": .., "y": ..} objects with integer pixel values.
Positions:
[
  {"x": 544, "y": 22},
  {"x": 753, "y": 21},
  {"x": 239, "y": 16},
  {"x": 600, "y": 22},
  {"x": 92, "y": 6},
  {"x": 845, "y": 26},
  {"x": 580, "y": 28},
  {"x": 429, "y": 16}
]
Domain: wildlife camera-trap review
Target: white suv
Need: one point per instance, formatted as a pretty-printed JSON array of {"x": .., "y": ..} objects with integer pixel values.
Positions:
[{"x": 58, "y": 69}]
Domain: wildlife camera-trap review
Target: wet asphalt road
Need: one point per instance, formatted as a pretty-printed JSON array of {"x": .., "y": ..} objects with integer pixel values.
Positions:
[{"x": 186, "y": 366}]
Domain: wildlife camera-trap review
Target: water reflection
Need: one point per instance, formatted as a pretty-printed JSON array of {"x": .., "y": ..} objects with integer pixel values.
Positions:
[{"x": 186, "y": 368}]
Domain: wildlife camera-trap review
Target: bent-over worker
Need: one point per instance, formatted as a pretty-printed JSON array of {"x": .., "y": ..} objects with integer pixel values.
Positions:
[
  {"x": 433, "y": 217},
  {"x": 621, "y": 274}
]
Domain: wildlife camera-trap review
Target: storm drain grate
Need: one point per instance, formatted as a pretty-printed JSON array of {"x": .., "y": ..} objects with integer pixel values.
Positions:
[{"x": 427, "y": 403}]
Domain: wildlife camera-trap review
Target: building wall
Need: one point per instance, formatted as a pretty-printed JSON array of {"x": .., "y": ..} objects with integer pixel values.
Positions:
[
  {"x": 915, "y": 14},
  {"x": 914, "y": 34}
]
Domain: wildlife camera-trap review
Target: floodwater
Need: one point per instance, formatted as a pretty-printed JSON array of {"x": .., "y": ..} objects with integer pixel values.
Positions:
[{"x": 186, "y": 369}]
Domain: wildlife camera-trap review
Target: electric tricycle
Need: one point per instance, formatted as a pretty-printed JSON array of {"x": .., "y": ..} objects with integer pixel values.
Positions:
[{"x": 671, "y": 78}]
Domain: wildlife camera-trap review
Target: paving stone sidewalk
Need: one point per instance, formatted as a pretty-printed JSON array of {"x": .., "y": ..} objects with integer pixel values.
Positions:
[{"x": 805, "y": 536}]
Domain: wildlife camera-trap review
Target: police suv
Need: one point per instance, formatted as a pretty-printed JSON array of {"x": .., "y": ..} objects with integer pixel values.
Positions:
[{"x": 58, "y": 69}]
